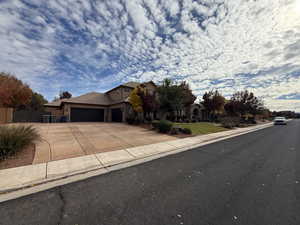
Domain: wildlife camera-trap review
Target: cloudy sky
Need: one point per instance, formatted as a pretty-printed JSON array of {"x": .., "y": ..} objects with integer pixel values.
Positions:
[{"x": 94, "y": 45}]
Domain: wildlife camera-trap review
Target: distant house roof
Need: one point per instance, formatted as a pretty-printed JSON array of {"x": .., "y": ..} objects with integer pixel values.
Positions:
[
  {"x": 54, "y": 103},
  {"x": 131, "y": 84}
]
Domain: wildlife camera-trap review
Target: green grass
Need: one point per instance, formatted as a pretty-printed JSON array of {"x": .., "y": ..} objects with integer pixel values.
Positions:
[
  {"x": 201, "y": 127},
  {"x": 15, "y": 138}
]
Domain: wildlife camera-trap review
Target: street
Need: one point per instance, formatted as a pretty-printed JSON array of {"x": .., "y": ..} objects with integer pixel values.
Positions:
[{"x": 253, "y": 179}]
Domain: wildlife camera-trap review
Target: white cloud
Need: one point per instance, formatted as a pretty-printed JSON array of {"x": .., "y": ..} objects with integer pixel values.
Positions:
[{"x": 224, "y": 44}]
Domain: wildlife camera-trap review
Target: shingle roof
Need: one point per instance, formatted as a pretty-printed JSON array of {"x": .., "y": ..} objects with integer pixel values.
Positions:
[
  {"x": 54, "y": 103},
  {"x": 94, "y": 98},
  {"x": 90, "y": 98}
]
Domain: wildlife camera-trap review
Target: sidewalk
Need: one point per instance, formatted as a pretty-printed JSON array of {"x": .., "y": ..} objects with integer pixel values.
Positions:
[{"x": 31, "y": 175}]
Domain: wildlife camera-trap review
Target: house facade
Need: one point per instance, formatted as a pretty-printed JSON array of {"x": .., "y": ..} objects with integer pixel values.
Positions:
[{"x": 111, "y": 106}]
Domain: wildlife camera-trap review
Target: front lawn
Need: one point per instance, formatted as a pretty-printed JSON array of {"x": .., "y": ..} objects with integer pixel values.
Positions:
[{"x": 201, "y": 127}]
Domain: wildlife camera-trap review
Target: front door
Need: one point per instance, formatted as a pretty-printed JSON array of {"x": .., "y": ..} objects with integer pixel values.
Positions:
[{"x": 116, "y": 115}]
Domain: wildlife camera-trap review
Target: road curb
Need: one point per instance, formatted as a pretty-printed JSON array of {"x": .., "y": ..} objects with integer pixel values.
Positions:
[{"x": 48, "y": 183}]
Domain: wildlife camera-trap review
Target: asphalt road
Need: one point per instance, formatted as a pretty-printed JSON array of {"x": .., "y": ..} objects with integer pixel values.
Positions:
[{"x": 252, "y": 179}]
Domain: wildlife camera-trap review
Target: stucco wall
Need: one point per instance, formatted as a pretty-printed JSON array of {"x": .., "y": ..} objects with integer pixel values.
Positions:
[
  {"x": 150, "y": 87},
  {"x": 126, "y": 92},
  {"x": 55, "y": 111},
  {"x": 116, "y": 94}
]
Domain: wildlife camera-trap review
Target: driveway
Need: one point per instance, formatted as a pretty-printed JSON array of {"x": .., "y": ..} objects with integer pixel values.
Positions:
[{"x": 66, "y": 140}]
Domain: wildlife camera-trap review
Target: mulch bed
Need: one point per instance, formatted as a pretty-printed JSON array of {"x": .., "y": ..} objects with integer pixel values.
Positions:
[{"x": 22, "y": 158}]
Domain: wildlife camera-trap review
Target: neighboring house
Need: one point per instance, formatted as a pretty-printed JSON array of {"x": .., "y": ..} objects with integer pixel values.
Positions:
[{"x": 111, "y": 106}]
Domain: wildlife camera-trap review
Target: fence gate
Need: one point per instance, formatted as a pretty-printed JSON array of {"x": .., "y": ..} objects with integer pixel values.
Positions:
[{"x": 6, "y": 115}]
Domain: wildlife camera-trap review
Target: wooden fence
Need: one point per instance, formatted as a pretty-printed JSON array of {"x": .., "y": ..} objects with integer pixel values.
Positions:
[{"x": 6, "y": 115}]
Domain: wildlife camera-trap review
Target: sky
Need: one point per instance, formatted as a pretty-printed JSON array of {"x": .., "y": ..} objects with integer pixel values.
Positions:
[{"x": 93, "y": 45}]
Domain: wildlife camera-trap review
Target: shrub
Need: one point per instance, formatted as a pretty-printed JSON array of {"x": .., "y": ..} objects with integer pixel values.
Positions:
[
  {"x": 15, "y": 138},
  {"x": 137, "y": 121},
  {"x": 130, "y": 119},
  {"x": 251, "y": 120},
  {"x": 230, "y": 122},
  {"x": 186, "y": 131},
  {"x": 164, "y": 126},
  {"x": 154, "y": 124},
  {"x": 175, "y": 130}
]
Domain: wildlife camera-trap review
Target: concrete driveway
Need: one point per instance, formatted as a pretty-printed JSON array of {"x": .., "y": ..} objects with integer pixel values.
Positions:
[{"x": 67, "y": 140}]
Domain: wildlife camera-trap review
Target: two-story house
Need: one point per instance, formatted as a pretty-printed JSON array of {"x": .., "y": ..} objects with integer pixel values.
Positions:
[{"x": 111, "y": 106}]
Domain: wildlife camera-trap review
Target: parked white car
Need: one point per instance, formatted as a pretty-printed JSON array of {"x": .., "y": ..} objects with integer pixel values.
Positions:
[{"x": 280, "y": 121}]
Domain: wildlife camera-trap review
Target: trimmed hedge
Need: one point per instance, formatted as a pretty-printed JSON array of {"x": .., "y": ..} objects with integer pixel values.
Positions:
[{"x": 15, "y": 138}]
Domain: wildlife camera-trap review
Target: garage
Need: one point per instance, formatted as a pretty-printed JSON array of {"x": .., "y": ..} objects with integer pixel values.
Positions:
[
  {"x": 87, "y": 115},
  {"x": 116, "y": 115}
]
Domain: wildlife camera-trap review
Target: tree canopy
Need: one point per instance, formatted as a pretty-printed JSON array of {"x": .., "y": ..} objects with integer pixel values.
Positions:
[
  {"x": 13, "y": 92},
  {"x": 243, "y": 102},
  {"x": 136, "y": 100},
  {"x": 174, "y": 97},
  {"x": 65, "y": 94},
  {"x": 37, "y": 101},
  {"x": 213, "y": 102}
]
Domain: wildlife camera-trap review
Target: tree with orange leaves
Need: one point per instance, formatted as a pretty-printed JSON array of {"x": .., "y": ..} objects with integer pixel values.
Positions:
[{"x": 13, "y": 92}]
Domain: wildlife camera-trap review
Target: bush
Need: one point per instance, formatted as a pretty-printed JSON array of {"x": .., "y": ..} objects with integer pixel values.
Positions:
[
  {"x": 230, "y": 122},
  {"x": 15, "y": 138},
  {"x": 130, "y": 119},
  {"x": 251, "y": 120},
  {"x": 175, "y": 130},
  {"x": 154, "y": 124},
  {"x": 164, "y": 126},
  {"x": 186, "y": 131}
]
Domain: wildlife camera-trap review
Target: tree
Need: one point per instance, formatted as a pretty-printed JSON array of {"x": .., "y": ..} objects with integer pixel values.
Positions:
[
  {"x": 135, "y": 100},
  {"x": 149, "y": 102},
  {"x": 244, "y": 102},
  {"x": 37, "y": 101},
  {"x": 188, "y": 96},
  {"x": 232, "y": 108},
  {"x": 213, "y": 102},
  {"x": 65, "y": 94},
  {"x": 170, "y": 96},
  {"x": 174, "y": 97},
  {"x": 13, "y": 92}
]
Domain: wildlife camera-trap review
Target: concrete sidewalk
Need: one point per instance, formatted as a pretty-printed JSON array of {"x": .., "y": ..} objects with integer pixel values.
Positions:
[{"x": 27, "y": 176}]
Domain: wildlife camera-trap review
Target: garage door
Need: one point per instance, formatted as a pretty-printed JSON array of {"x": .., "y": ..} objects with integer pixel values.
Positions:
[
  {"x": 87, "y": 115},
  {"x": 116, "y": 115}
]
